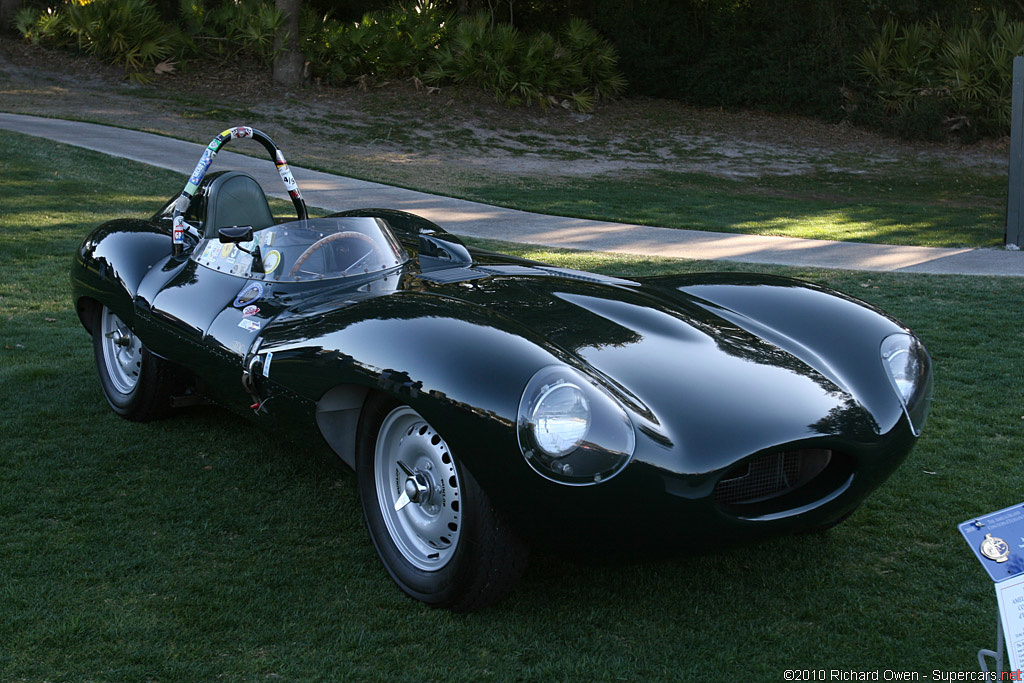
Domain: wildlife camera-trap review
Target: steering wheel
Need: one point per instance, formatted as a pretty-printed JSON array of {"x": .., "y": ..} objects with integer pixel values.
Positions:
[{"x": 320, "y": 243}]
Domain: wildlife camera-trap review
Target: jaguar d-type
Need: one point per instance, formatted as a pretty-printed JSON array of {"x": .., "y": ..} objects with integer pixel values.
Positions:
[{"x": 487, "y": 403}]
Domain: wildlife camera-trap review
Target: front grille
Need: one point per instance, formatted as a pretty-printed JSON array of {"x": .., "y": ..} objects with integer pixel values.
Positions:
[{"x": 770, "y": 476}]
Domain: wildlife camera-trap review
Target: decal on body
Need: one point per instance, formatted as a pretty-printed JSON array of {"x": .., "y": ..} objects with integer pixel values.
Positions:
[{"x": 250, "y": 293}]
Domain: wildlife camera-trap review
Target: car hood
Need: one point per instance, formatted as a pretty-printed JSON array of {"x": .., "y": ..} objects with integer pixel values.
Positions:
[{"x": 703, "y": 376}]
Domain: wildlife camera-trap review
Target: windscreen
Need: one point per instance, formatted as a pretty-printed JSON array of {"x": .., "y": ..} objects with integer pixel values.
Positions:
[{"x": 315, "y": 249}]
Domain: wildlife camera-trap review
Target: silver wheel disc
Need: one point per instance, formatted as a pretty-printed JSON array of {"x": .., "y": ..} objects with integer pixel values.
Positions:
[
  {"x": 417, "y": 489},
  {"x": 122, "y": 352}
]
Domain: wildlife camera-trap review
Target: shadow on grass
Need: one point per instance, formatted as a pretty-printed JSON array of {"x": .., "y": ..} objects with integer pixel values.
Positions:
[{"x": 734, "y": 207}]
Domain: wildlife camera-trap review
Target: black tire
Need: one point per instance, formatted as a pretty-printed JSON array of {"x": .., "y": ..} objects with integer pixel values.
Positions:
[
  {"x": 137, "y": 385},
  {"x": 483, "y": 558}
]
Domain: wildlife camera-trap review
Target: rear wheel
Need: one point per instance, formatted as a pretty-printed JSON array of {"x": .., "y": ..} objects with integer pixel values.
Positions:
[
  {"x": 434, "y": 528},
  {"x": 137, "y": 385}
]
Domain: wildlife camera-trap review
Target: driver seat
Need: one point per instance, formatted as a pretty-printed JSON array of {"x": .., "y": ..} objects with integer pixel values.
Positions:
[{"x": 235, "y": 198}]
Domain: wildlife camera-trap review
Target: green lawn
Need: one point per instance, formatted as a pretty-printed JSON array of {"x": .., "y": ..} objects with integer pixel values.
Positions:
[
  {"x": 953, "y": 211},
  {"x": 197, "y": 548}
]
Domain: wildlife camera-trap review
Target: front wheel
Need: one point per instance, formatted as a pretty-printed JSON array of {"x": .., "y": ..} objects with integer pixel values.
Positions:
[
  {"x": 433, "y": 526},
  {"x": 137, "y": 385}
]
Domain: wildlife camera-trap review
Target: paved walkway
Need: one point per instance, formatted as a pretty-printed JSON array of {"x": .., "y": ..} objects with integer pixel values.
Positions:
[{"x": 337, "y": 193}]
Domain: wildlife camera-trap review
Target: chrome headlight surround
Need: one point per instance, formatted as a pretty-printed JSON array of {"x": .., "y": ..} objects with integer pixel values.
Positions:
[
  {"x": 571, "y": 430},
  {"x": 909, "y": 369}
]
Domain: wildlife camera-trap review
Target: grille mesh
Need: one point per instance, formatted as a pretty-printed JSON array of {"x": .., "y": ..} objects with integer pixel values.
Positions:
[{"x": 770, "y": 476}]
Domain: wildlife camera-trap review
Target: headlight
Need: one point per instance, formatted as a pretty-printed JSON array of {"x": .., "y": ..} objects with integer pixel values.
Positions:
[
  {"x": 909, "y": 369},
  {"x": 571, "y": 430},
  {"x": 560, "y": 419}
]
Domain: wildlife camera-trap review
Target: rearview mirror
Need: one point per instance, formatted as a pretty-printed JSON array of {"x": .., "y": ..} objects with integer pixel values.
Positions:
[{"x": 235, "y": 234}]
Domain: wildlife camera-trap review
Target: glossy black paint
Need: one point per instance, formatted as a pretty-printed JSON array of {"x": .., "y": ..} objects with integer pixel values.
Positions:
[{"x": 713, "y": 370}]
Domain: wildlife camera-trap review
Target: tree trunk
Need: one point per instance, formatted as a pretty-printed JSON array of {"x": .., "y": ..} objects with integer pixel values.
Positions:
[
  {"x": 8, "y": 8},
  {"x": 288, "y": 64}
]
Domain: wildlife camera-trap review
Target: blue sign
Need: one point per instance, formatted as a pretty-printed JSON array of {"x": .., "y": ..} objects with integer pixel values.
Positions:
[{"x": 997, "y": 540}]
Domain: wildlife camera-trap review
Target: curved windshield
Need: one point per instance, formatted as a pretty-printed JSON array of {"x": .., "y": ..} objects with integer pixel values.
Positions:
[{"x": 315, "y": 249}]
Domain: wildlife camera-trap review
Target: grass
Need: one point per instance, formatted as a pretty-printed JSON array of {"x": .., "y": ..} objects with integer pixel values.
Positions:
[
  {"x": 831, "y": 206},
  {"x": 198, "y": 548}
]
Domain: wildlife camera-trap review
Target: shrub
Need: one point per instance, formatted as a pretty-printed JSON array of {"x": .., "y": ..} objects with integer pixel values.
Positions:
[
  {"x": 38, "y": 26},
  {"x": 421, "y": 40},
  {"x": 125, "y": 32},
  {"x": 230, "y": 29},
  {"x": 598, "y": 59},
  {"x": 574, "y": 72},
  {"x": 957, "y": 79},
  {"x": 393, "y": 43},
  {"x": 425, "y": 42}
]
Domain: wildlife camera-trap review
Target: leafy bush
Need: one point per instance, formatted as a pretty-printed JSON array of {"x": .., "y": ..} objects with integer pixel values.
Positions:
[
  {"x": 421, "y": 40},
  {"x": 125, "y": 32},
  {"x": 425, "y": 42},
  {"x": 230, "y": 29},
  {"x": 927, "y": 80},
  {"x": 393, "y": 43},
  {"x": 598, "y": 59},
  {"x": 575, "y": 72},
  {"x": 801, "y": 56},
  {"x": 38, "y": 26}
]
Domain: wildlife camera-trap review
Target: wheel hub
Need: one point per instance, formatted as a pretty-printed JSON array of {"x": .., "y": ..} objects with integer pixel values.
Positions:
[
  {"x": 418, "y": 489},
  {"x": 122, "y": 352}
]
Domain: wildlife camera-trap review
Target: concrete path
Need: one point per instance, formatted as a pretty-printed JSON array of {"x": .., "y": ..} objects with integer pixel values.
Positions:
[{"x": 337, "y": 193}]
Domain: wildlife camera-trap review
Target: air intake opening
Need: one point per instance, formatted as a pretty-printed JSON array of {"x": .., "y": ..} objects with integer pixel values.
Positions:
[{"x": 768, "y": 477}]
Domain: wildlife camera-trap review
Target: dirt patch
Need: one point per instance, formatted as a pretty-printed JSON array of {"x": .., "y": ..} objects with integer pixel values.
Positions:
[{"x": 398, "y": 133}]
